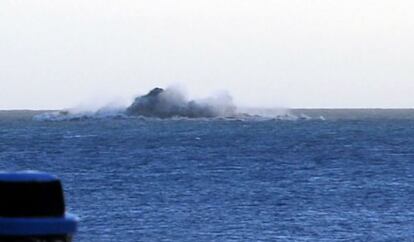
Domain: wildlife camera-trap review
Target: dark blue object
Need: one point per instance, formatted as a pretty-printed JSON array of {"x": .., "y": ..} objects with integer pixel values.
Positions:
[{"x": 32, "y": 203}]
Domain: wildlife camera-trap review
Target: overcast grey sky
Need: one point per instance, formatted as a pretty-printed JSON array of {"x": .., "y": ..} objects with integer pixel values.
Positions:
[{"x": 292, "y": 53}]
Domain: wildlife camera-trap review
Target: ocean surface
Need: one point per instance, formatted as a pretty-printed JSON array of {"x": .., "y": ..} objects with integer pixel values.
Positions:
[{"x": 336, "y": 175}]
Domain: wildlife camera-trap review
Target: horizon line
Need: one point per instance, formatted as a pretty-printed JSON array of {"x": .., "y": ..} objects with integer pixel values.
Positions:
[{"x": 294, "y": 108}]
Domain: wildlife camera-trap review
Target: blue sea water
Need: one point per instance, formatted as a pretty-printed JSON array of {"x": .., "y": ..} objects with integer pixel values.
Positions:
[{"x": 349, "y": 177}]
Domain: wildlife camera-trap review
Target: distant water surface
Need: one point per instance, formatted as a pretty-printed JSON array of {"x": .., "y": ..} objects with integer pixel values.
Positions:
[{"x": 349, "y": 177}]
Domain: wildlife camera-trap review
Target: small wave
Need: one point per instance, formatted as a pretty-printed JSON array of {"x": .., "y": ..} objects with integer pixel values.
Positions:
[
  {"x": 68, "y": 115},
  {"x": 78, "y": 136}
]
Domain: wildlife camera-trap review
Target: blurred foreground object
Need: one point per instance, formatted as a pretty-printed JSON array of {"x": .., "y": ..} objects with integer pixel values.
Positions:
[{"x": 32, "y": 208}]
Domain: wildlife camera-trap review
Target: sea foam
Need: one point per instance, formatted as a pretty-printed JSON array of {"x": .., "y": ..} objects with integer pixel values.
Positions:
[{"x": 171, "y": 103}]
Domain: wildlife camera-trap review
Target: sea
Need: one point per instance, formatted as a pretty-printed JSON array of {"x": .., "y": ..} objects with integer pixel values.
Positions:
[{"x": 329, "y": 175}]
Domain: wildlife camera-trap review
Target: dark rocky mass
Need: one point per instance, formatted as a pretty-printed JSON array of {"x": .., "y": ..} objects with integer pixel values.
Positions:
[{"x": 162, "y": 103}]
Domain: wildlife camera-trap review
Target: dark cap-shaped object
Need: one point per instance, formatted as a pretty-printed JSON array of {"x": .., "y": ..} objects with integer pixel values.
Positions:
[{"x": 32, "y": 203}]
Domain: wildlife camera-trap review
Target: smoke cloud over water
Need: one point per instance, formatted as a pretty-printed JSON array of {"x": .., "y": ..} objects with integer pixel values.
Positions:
[{"x": 169, "y": 103}]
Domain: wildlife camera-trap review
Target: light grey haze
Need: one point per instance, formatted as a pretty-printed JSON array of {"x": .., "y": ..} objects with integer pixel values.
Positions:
[{"x": 291, "y": 53}]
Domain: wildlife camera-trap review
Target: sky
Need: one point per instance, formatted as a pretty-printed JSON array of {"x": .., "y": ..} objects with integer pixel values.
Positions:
[{"x": 265, "y": 53}]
